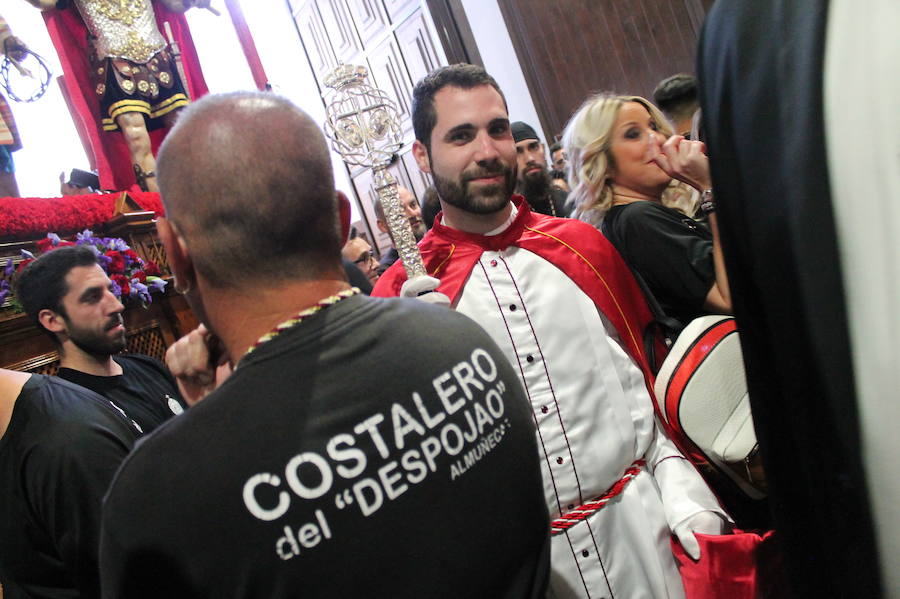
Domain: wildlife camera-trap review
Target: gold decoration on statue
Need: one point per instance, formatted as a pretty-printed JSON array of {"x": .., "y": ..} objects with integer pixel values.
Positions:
[
  {"x": 126, "y": 11},
  {"x": 165, "y": 78},
  {"x": 101, "y": 89},
  {"x": 143, "y": 86},
  {"x": 154, "y": 89},
  {"x": 136, "y": 47},
  {"x": 128, "y": 85}
]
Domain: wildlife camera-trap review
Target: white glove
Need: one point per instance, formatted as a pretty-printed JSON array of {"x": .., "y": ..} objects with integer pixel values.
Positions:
[
  {"x": 706, "y": 523},
  {"x": 423, "y": 287}
]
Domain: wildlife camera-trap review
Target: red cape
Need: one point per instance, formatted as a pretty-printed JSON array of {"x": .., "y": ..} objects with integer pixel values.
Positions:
[
  {"x": 576, "y": 248},
  {"x": 107, "y": 151}
]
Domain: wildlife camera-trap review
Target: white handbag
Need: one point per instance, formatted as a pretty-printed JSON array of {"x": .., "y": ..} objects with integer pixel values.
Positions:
[{"x": 702, "y": 393}]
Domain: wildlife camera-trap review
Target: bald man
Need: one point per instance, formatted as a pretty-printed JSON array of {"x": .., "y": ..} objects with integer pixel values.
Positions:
[
  {"x": 326, "y": 465},
  {"x": 413, "y": 213}
]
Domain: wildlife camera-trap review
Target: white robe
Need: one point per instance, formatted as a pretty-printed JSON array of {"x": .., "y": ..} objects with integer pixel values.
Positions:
[{"x": 594, "y": 418}]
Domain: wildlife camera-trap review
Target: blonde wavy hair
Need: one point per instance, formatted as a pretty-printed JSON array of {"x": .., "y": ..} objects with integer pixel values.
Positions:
[{"x": 587, "y": 139}]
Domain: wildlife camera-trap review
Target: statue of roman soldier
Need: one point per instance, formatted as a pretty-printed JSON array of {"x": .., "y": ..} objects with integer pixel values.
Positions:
[{"x": 133, "y": 74}]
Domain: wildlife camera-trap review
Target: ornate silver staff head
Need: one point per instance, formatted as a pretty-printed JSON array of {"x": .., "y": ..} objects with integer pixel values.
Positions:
[{"x": 363, "y": 125}]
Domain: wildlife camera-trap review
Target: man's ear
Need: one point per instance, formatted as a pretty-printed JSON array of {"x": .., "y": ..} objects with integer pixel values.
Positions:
[
  {"x": 344, "y": 215},
  {"x": 177, "y": 253},
  {"x": 52, "y": 321},
  {"x": 420, "y": 153}
]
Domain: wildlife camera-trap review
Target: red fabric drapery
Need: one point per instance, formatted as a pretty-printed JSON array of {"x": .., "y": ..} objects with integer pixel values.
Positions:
[{"x": 247, "y": 44}]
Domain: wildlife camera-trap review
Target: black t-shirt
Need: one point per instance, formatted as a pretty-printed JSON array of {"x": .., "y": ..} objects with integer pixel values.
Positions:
[
  {"x": 671, "y": 252},
  {"x": 557, "y": 198},
  {"x": 145, "y": 390},
  {"x": 381, "y": 448},
  {"x": 57, "y": 458}
]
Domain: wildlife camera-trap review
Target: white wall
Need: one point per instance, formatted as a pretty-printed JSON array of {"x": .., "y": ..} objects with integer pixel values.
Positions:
[
  {"x": 499, "y": 57},
  {"x": 50, "y": 142},
  {"x": 284, "y": 61}
]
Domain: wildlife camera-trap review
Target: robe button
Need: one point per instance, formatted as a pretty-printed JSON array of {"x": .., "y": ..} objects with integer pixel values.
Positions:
[
  {"x": 512, "y": 307},
  {"x": 571, "y": 506},
  {"x": 585, "y": 553},
  {"x": 493, "y": 263},
  {"x": 545, "y": 409},
  {"x": 529, "y": 359},
  {"x": 559, "y": 460}
]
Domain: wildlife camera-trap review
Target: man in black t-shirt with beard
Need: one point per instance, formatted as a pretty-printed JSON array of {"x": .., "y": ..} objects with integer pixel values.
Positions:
[
  {"x": 533, "y": 177},
  {"x": 66, "y": 294},
  {"x": 361, "y": 447}
]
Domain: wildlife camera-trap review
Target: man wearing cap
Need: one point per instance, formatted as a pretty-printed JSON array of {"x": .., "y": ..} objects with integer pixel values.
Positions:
[{"x": 534, "y": 179}]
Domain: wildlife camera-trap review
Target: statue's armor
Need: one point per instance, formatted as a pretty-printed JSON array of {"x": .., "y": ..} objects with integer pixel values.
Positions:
[{"x": 122, "y": 28}]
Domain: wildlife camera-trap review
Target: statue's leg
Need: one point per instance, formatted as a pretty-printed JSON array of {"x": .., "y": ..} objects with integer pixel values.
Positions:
[{"x": 134, "y": 128}]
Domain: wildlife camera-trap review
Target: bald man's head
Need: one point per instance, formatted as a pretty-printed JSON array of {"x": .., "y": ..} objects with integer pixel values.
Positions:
[{"x": 246, "y": 177}]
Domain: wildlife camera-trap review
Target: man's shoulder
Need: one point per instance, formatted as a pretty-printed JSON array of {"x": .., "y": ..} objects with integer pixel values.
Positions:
[
  {"x": 61, "y": 412},
  {"x": 573, "y": 230}
]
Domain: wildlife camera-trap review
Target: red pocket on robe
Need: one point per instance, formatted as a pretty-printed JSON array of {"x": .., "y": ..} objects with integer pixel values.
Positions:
[{"x": 743, "y": 565}]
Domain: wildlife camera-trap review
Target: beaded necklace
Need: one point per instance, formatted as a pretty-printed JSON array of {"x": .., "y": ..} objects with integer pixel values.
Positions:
[{"x": 301, "y": 316}]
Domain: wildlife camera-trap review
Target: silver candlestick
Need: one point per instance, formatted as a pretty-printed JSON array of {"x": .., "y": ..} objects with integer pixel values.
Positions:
[{"x": 363, "y": 125}]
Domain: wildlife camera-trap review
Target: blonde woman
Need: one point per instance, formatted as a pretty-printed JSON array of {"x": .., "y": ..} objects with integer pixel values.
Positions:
[{"x": 625, "y": 170}]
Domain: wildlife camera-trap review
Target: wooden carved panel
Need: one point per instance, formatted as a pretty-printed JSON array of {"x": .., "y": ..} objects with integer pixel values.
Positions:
[
  {"x": 340, "y": 29},
  {"x": 388, "y": 71},
  {"x": 398, "y": 9},
  {"x": 570, "y": 50},
  {"x": 315, "y": 40},
  {"x": 421, "y": 50},
  {"x": 370, "y": 19}
]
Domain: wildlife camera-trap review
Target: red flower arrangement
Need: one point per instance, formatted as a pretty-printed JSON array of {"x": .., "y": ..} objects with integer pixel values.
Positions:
[{"x": 24, "y": 218}]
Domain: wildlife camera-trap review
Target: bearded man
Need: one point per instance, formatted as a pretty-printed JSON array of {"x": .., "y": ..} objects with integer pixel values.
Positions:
[
  {"x": 567, "y": 313},
  {"x": 68, "y": 295},
  {"x": 534, "y": 180}
]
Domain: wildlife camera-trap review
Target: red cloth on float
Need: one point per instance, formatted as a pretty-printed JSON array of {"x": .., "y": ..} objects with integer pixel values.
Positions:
[
  {"x": 107, "y": 151},
  {"x": 31, "y": 218}
]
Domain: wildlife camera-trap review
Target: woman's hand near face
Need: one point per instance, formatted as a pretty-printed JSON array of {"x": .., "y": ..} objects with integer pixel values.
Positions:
[{"x": 682, "y": 159}]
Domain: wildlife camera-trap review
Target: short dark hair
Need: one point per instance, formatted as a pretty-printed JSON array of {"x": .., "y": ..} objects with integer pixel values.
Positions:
[
  {"x": 677, "y": 96},
  {"x": 461, "y": 75},
  {"x": 42, "y": 284},
  {"x": 555, "y": 147},
  {"x": 247, "y": 178},
  {"x": 431, "y": 205}
]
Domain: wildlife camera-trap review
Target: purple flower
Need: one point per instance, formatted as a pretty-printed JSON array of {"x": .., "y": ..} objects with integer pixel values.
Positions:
[
  {"x": 140, "y": 290},
  {"x": 54, "y": 239},
  {"x": 9, "y": 269},
  {"x": 116, "y": 244},
  {"x": 157, "y": 283},
  {"x": 85, "y": 237},
  {"x": 3, "y": 294},
  {"x": 27, "y": 254},
  {"x": 114, "y": 287}
]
